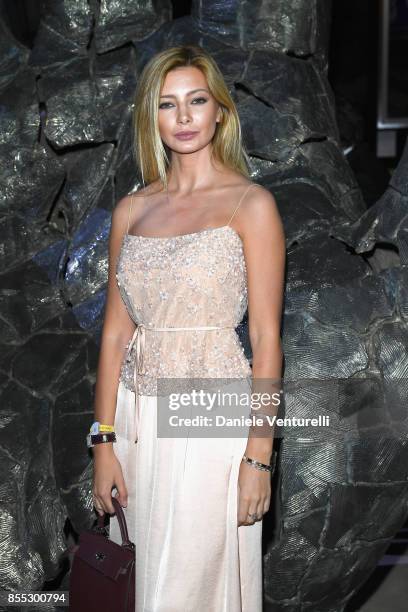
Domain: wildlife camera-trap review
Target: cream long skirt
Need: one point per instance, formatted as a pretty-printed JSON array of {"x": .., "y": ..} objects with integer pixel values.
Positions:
[{"x": 182, "y": 516}]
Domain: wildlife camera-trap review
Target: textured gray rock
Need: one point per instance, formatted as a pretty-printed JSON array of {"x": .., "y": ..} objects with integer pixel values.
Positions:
[
  {"x": 64, "y": 32},
  {"x": 66, "y": 159}
]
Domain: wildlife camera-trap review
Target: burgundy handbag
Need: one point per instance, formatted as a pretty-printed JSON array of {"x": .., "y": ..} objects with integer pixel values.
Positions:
[{"x": 103, "y": 572}]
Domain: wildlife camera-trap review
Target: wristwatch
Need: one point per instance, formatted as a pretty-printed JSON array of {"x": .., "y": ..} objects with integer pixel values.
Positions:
[{"x": 92, "y": 439}]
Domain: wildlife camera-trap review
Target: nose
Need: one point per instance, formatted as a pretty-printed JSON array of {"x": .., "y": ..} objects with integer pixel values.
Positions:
[{"x": 183, "y": 115}]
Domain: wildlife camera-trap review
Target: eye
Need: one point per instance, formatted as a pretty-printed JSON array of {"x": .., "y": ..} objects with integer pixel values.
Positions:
[{"x": 200, "y": 100}]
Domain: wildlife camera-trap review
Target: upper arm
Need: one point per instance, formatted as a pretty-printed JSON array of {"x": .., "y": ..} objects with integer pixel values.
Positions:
[
  {"x": 265, "y": 257},
  {"x": 117, "y": 321}
]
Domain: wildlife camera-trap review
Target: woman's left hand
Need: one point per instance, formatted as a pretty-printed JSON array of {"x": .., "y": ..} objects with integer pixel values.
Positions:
[{"x": 254, "y": 494}]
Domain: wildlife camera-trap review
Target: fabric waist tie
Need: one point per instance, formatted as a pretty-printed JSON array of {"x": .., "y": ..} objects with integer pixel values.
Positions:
[{"x": 138, "y": 339}]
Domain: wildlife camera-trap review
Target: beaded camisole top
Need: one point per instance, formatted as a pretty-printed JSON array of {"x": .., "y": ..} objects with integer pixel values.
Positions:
[{"x": 187, "y": 294}]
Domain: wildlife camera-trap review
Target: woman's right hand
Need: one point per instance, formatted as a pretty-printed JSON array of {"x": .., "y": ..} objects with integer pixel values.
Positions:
[{"x": 107, "y": 474}]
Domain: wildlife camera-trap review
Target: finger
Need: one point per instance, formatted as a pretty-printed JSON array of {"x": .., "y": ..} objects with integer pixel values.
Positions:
[
  {"x": 246, "y": 519},
  {"x": 254, "y": 513},
  {"x": 245, "y": 523},
  {"x": 104, "y": 502},
  {"x": 260, "y": 510},
  {"x": 122, "y": 494},
  {"x": 266, "y": 506},
  {"x": 107, "y": 503},
  {"x": 253, "y": 509},
  {"x": 242, "y": 513},
  {"x": 242, "y": 506},
  {"x": 98, "y": 505}
]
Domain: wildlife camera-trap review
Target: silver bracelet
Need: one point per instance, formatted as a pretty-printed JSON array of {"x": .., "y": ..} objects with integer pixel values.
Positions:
[
  {"x": 261, "y": 415},
  {"x": 257, "y": 464}
]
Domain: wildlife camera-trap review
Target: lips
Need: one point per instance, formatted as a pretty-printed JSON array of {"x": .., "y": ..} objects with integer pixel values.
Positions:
[{"x": 185, "y": 135}]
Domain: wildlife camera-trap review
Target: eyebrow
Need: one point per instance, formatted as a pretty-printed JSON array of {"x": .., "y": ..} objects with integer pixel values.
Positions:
[{"x": 188, "y": 93}]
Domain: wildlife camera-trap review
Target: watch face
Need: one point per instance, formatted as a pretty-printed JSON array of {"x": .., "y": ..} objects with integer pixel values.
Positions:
[{"x": 94, "y": 428}]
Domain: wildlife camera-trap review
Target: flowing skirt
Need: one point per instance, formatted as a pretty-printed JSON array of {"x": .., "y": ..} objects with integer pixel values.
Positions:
[{"x": 191, "y": 556}]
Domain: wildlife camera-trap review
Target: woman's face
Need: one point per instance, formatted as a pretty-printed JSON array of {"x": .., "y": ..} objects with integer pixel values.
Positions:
[{"x": 188, "y": 113}]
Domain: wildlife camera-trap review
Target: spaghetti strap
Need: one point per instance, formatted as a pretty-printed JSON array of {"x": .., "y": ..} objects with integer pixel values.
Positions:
[
  {"x": 240, "y": 200},
  {"x": 130, "y": 210}
]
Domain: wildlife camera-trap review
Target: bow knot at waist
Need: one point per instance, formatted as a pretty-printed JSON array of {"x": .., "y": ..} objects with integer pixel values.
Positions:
[{"x": 138, "y": 339}]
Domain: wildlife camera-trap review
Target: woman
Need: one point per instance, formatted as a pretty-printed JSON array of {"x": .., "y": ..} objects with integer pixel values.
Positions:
[{"x": 187, "y": 254}]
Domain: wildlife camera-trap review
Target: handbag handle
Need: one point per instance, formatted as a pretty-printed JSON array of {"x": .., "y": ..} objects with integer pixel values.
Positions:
[{"x": 121, "y": 520}]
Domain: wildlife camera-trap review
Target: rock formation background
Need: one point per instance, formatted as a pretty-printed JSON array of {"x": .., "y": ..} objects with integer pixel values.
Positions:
[{"x": 66, "y": 159}]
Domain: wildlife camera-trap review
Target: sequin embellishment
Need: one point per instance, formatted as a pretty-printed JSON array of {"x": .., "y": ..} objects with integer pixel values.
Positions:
[{"x": 196, "y": 279}]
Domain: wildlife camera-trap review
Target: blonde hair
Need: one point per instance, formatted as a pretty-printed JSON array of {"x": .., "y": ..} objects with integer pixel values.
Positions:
[{"x": 150, "y": 152}]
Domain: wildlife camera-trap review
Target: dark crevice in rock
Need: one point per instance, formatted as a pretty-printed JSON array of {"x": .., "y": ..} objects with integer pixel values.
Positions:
[{"x": 242, "y": 87}]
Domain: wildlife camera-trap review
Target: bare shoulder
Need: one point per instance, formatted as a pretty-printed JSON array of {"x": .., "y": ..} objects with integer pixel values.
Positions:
[
  {"x": 143, "y": 193},
  {"x": 260, "y": 206},
  {"x": 259, "y": 200},
  {"x": 133, "y": 204},
  {"x": 259, "y": 221}
]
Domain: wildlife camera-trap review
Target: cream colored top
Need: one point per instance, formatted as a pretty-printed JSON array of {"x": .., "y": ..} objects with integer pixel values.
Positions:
[{"x": 193, "y": 280}]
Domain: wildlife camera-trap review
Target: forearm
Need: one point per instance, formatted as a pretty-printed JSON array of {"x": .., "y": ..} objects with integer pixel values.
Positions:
[
  {"x": 267, "y": 364},
  {"x": 107, "y": 378}
]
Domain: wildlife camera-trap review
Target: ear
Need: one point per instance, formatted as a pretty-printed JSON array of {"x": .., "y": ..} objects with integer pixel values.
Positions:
[{"x": 219, "y": 114}]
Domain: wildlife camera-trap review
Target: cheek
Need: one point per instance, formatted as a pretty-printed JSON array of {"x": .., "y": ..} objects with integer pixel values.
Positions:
[
  {"x": 205, "y": 117},
  {"x": 162, "y": 121}
]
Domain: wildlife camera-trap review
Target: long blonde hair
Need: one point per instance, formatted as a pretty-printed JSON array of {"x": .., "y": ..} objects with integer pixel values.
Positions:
[{"x": 150, "y": 152}]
